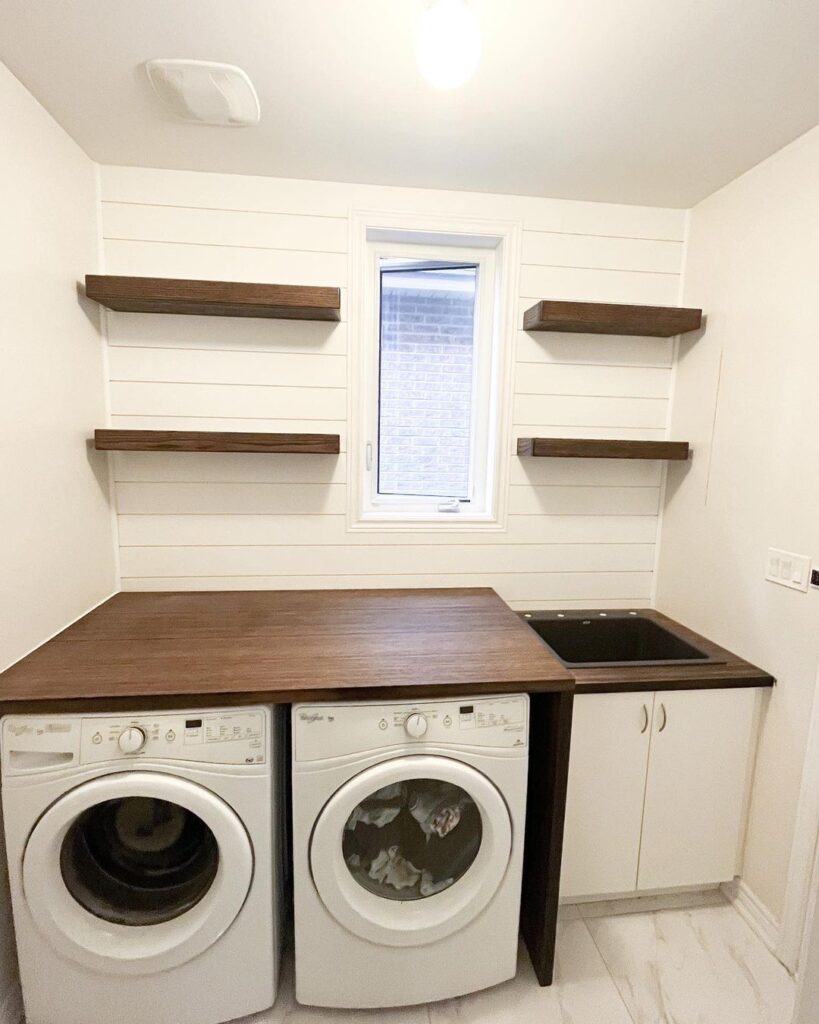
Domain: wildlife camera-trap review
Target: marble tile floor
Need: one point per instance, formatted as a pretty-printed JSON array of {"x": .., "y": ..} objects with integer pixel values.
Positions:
[{"x": 684, "y": 965}]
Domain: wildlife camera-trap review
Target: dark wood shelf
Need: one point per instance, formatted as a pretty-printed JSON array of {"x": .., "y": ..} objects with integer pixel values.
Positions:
[
  {"x": 214, "y": 441},
  {"x": 213, "y": 298},
  {"x": 592, "y": 448},
  {"x": 611, "y": 318}
]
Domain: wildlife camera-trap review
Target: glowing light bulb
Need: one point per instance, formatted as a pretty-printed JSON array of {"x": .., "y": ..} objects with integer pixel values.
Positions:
[{"x": 449, "y": 43}]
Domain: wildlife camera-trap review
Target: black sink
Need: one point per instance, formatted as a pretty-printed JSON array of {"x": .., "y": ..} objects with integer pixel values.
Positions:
[{"x": 591, "y": 639}]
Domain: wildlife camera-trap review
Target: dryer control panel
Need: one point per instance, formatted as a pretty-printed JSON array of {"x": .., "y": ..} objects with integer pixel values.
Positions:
[
  {"x": 32, "y": 743},
  {"x": 332, "y": 730}
]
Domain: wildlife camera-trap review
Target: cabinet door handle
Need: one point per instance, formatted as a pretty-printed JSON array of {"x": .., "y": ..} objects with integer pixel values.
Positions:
[
  {"x": 665, "y": 718},
  {"x": 645, "y": 720}
]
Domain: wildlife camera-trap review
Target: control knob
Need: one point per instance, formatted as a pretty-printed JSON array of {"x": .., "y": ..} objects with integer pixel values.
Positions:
[
  {"x": 132, "y": 740},
  {"x": 416, "y": 726}
]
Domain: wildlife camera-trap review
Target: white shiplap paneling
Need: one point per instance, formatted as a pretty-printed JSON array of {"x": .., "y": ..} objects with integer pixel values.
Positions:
[
  {"x": 530, "y": 590},
  {"x": 194, "y": 366},
  {"x": 175, "y": 530},
  {"x": 227, "y": 401},
  {"x": 558, "y": 249},
  {"x": 579, "y": 532}
]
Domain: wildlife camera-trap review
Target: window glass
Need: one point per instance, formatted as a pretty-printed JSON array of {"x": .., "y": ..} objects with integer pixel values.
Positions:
[
  {"x": 411, "y": 840},
  {"x": 426, "y": 378}
]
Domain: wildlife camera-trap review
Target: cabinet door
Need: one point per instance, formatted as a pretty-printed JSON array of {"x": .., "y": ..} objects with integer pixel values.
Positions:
[
  {"x": 702, "y": 747},
  {"x": 604, "y": 805}
]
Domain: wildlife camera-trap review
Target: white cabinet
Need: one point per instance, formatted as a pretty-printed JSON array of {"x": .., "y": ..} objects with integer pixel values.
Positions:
[
  {"x": 658, "y": 786},
  {"x": 702, "y": 744},
  {"x": 604, "y": 803}
]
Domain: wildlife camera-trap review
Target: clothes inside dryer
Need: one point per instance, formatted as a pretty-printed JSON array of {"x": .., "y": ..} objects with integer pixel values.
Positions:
[{"x": 412, "y": 839}]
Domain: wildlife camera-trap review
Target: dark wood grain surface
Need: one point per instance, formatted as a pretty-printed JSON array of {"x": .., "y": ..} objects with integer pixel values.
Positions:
[
  {"x": 214, "y": 298},
  {"x": 599, "y": 448},
  {"x": 729, "y": 672},
  {"x": 550, "y": 736},
  {"x": 106, "y": 440},
  {"x": 611, "y": 318},
  {"x": 281, "y": 646}
]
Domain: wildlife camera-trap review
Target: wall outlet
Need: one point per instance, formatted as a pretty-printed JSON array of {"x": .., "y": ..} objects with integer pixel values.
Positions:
[{"x": 788, "y": 569}]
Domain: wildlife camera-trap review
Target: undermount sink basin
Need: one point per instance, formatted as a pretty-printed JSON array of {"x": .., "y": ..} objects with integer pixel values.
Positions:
[{"x": 592, "y": 639}]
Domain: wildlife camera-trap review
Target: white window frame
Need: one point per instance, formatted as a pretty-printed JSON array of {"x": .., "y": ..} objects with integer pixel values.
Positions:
[{"x": 493, "y": 248}]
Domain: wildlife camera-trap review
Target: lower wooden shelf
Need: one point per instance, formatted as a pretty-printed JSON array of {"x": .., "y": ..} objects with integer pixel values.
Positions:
[
  {"x": 214, "y": 441},
  {"x": 594, "y": 448}
]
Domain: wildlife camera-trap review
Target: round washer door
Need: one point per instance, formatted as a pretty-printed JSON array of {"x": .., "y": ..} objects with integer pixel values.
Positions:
[
  {"x": 136, "y": 872},
  {"x": 411, "y": 850}
]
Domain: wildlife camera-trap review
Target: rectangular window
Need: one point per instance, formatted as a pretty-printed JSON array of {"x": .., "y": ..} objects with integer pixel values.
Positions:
[
  {"x": 426, "y": 380},
  {"x": 429, "y": 376}
]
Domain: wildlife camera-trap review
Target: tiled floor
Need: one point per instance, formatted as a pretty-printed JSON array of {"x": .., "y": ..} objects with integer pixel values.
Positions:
[{"x": 671, "y": 966}]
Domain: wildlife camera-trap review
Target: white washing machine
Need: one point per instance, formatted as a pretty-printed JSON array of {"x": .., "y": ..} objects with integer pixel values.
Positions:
[
  {"x": 142, "y": 864},
  {"x": 408, "y": 822}
]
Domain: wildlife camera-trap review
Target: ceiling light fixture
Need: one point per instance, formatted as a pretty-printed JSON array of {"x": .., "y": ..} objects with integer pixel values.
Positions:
[{"x": 449, "y": 43}]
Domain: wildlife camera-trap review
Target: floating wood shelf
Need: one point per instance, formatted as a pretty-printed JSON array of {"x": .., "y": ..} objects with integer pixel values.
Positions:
[
  {"x": 214, "y": 441},
  {"x": 592, "y": 448},
  {"x": 611, "y": 318},
  {"x": 213, "y": 298}
]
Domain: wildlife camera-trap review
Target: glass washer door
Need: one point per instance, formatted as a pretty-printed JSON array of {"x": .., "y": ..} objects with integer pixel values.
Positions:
[
  {"x": 137, "y": 871},
  {"x": 411, "y": 850}
]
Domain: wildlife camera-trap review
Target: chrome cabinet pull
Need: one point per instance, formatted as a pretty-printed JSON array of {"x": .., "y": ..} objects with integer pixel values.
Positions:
[
  {"x": 645, "y": 720},
  {"x": 665, "y": 718}
]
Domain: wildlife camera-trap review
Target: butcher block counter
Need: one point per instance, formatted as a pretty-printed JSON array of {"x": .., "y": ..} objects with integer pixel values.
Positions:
[
  {"x": 157, "y": 650},
  {"x": 141, "y": 651}
]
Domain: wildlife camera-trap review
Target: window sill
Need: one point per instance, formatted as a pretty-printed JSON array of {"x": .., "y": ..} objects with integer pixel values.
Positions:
[{"x": 433, "y": 522}]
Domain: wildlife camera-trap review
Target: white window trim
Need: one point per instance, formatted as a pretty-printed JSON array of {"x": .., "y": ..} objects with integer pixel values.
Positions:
[{"x": 494, "y": 245}]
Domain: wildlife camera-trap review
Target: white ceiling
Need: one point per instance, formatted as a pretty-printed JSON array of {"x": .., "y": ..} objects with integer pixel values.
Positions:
[{"x": 636, "y": 101}]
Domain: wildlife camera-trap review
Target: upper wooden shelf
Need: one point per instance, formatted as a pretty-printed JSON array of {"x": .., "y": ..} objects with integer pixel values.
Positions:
[
  {"x": 213, "y": 298},
  {"x": 611, "y": 318},
  {"x": 214, "y": 441},
  {"x": 594, "y": 448}
]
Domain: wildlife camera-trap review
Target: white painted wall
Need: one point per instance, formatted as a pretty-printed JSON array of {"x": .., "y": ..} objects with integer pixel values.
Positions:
[
  {"x": 56, "y": 537},
  {"x": 580, "y": 532},
  {"x": 746, "y": 398}
]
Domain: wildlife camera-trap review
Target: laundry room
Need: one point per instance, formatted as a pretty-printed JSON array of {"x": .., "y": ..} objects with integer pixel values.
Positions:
[{"x": 409, "y": 535}]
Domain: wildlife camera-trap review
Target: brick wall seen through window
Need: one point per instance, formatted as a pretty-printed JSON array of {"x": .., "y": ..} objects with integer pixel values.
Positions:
[{"x": 426, "y": 381}]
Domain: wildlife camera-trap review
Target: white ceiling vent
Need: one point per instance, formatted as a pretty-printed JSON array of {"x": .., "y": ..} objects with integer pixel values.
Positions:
[{"x": 205, "y": 92}]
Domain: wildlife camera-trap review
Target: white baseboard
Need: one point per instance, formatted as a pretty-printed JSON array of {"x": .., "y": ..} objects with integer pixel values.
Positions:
[{"x": 754, "y": 912}]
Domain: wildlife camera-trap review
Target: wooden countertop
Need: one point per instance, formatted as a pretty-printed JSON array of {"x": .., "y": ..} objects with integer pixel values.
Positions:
[
  {"x": 729, "y": 671},
  {"x": 162, "y": 650}
]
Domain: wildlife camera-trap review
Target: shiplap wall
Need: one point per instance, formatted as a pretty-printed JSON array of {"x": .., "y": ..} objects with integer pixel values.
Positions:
[{"x": 579, "y": 532}]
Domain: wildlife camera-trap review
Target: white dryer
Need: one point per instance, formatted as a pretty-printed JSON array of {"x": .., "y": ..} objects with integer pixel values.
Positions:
[
  {"x": 142, "y": 864},
  {"x": 408, "y": 823}
]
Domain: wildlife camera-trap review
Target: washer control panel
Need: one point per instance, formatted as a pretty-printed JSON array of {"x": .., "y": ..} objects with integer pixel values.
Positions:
[
  {"x": 235, "y": 737},
  {"x": 32, "y": 743},
  {"x": 333, "y": 730}
]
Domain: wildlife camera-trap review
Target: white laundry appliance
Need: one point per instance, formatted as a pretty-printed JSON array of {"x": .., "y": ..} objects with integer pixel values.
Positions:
[
  {"x": 143, "y": 864},
  {"x": 408, "y": 822}
]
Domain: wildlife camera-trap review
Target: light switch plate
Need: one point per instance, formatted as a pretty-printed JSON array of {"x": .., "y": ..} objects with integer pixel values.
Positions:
[{"x": 788, "y": 569}]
